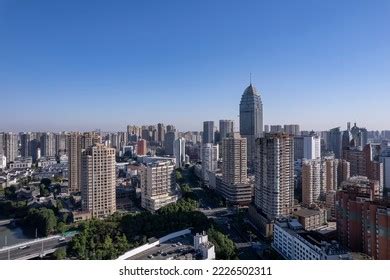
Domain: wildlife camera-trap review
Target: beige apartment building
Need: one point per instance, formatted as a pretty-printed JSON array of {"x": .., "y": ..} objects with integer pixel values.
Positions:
[
  {"x": 158, "y": 184},
  {"x": 74, "y": 162},
  {"x": 98, "y": 181},
  {"x": 274, "y": 175},
  {"x": 234, "y": 185}
]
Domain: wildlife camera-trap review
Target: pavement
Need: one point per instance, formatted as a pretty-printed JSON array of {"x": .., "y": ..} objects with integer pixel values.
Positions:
[{"x": 32, "y": 248}]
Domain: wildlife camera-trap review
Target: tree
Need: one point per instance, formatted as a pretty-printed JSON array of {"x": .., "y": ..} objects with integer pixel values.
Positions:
[
  {"x": 99, "y": 240},
  {"x": 42, "y": 220},
  {"x": 224, "y": 246},
  {"x": 43, "y": 190},
  {"x": 46, "y": 182},
  {"x": 60, "y": 254},
  {"x": 61, "y": 227}
]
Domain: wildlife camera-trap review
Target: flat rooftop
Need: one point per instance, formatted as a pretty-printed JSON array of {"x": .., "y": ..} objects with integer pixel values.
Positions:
[{"x": 176, "y": 248}]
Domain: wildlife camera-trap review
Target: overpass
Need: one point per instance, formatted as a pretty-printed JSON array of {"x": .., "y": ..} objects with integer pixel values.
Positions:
[
  {"x": 32, "y": 249},
  {"x": 6, "y": 222}
]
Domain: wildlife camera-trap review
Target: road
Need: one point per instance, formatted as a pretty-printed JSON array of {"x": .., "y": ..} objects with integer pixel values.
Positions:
[{"x": 32, "y": 249}]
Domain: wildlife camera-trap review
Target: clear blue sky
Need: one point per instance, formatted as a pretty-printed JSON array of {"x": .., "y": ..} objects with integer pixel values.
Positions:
[{"x": 67, "y": 65}]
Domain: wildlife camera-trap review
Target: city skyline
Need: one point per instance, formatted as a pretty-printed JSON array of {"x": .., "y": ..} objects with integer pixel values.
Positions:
[{"x": 327, "y": 68}]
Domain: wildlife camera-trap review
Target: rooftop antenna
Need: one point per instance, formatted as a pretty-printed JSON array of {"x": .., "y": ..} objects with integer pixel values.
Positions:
[{"x": 250, "y": 78}]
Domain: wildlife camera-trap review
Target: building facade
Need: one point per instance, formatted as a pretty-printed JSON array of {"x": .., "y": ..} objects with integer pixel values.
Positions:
[
  {"x": 98, "y": 179},
  {"x": 251, "y": 119}
]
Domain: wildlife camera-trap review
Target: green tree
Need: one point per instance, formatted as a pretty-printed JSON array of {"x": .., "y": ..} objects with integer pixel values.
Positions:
[
  {"x": 224, "y": 246},
  {"x": 61, "y": 227},
  {"x": 46, "y": 182},
  {"x": 43, "y": 220},
  {"x": 60, "y": 254}
]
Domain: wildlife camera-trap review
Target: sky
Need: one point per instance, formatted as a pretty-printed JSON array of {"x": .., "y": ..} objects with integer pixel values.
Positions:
[{"x": 81, "y": 65}]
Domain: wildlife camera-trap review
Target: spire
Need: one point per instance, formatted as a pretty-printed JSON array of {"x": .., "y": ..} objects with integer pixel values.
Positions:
[{"x": 250, "y": 78}]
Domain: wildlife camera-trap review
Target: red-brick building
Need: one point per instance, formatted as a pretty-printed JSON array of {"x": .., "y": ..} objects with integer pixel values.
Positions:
[{"x": 363, "y": 218}]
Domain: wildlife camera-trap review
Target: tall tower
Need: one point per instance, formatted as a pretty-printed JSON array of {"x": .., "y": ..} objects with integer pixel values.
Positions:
[
  {"x": 98, "y": 190},
  {"x": 251, "y": 118},
  {"x": 312, "y": 181},
  {"x": 74, "y": 161},
  {"x": 208, "y": 132},
  {"x": 274, "y": 176},
  {"x": 234, "y": 155},
  {"x": 10, "y": 146},
  {"x": 179, "y": 151},
  {"x": 226, "y": 128},
  {"x": 48, "y": 144}
]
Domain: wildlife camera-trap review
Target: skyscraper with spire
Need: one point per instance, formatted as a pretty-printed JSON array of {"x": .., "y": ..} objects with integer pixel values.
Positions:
[{"x": 251, "y": 119}]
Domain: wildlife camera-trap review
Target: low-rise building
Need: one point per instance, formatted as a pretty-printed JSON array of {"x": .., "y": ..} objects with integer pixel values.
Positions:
[
  {"x": 295, "y": 243},
  {"x": 204, "y": 246},
  {"x": 311, "y": 219}
]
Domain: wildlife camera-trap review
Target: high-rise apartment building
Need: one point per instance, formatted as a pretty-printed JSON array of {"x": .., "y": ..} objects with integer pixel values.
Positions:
[
  {"x": 208, "y": 132},
  {"x": 90, "y": 138},
  {"x": 234, "y": 160},
  {"x": 209, "y": 157},
  {"x": 10, "y": 146},
  {"x": 226, "y": 128},
  {"x": 274, "y": 176},
  {"x": 292, "y": 129},
  {"x": 74, "y": 161},
  {"x": 98, "y": 177},
  {"x": 335, "y": 141},
  {"x": 179, "y": 151},
  {"x": 158, "y": 185},
  {"x": 48, "y": 148},
  {"x": 170, "y": 138},
  {"x": 142, "y": 147},
  {"x": 363, "y": 163},
  {"x": 1, "y": 143},
  {"x": 363, "y": 218},
  {"x": 234, "y": 185},
  {"x": 160, "y": 133},
  {"x": 25, "y": 140},
  {"x": 312, "y": 181},
  {"x": 311, "y": 147}
]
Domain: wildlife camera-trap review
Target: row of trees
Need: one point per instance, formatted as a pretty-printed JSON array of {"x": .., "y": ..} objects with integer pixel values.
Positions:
[
  {"x": 41, "y": 222},
  {"x": 98, "y": 240},
  {"x": 110, "y": 238}
]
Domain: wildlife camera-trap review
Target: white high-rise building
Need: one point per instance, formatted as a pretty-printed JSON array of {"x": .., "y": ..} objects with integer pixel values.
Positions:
[
  {"x": 179, "y": 151},
  {"x": 209, "y": 157},
  {"x": 98, "y": 179},
  {"x": 311, "y": 147},
  {"x": 158, "y": 184}
]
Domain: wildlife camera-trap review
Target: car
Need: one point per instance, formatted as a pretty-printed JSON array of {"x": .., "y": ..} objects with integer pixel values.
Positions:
[
  {"x": 23, "y": 247},
  {"x": 174, "y": 245},
  {"x": 158, "y": 245},
  {"x": 179, "y": 244},
  {"x": 164, "y": 254},
  {"x": 150, "y": 257},
  {"x": 61, "y": 239}
]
